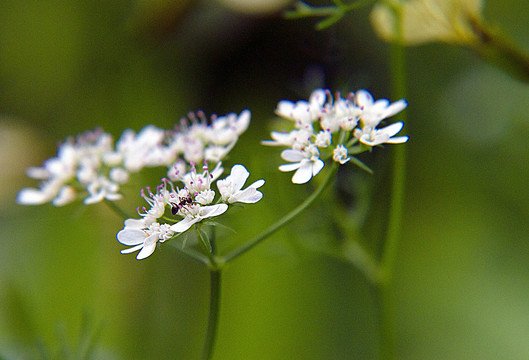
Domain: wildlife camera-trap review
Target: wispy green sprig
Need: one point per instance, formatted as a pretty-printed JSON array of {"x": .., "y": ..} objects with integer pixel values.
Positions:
[{"x": 331, "y": 14}]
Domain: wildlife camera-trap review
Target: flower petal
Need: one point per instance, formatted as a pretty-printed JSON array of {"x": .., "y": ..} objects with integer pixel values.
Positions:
[
  {"x": 136, "y": 223},
  {"x": 397, "y": 140},
  {"x": 184, "y": 225},
  {"x": 289, "y": 167},
  {"x": 257, "y": 184},
  {"x": 317, "y": 166},
  {"x": 393, "y": 128},
  {"x": 364, "y": 98},
  {"x": 132, "y": 249},
  {"x": 30, "y": 196},
  {"x": 304, "y": 173},
  {"x": 212, "y": 210},
  {"x": 248, "y": 196},
  {"x": 131, "y": 236},
  {"x": 148, "y": 247},
  {"x": 292, "y": 155},
  {"x": 238, "y": 176},
  {"x": 395, "y": 108}
]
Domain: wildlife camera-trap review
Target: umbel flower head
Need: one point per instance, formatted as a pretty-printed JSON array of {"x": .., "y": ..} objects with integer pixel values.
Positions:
[
  {"x": 90, "y": 166},
  {"x": 175, "y": 210},
  {"x": 336, "y": 127}
]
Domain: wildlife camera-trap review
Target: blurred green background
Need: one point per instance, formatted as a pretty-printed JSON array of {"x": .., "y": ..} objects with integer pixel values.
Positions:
[{"x": 462, "y": 275}]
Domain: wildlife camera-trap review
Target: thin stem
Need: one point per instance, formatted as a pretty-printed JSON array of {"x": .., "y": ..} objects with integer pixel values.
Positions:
[
  {"x": 386, "y": 317},
  {"x": 213, "y": 319},
  {"x": 385, "y": 286},
  {"x": 115, "y": 208},
  {"x": 214, "y": 300},
  {"x": 356, "y": 254},
  {"x": 286, "y": 219},
  {"x": 399, "y": 166},
  {"x": 195, "y": 255}
]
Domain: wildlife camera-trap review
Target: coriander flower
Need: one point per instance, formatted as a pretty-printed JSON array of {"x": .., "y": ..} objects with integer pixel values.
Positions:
[
  {"x": 91, "y": 167},
  {"x": 230, "y": 188},
  {"x": 144, "y": 239},
  {"x": 373, "y": 112},
  {"x": 327, "y": 127},
  {"x": 174, "y": 210},
  {"x": 339, "y": 154},
  {"x": 306, "y": 163},
  {"x": 373, "y": 137},
  {"x": 143, "y": 234}
]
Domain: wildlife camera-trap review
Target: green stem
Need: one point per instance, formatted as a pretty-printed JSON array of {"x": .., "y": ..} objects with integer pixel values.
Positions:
[
  {"x": 115, "y": 208},
  {"x": 385, "y": 295},
  {"x": 386, "y": 317},
  {"x": 498, "y": 50},
  {"x": 356, "y": 254},
  {"x": 393, "y": 233},
  {"x": 286, "y": 219},
  {"x": 213, "y": 319},
  {"x": 195, "y": 255},
  {"x": 214, "y": 300}
]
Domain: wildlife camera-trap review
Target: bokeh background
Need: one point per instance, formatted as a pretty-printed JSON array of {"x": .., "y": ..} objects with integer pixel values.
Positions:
[{"x": 462, "y": 274}]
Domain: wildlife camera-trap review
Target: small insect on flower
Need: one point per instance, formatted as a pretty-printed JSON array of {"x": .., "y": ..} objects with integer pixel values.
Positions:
[{"x": 184, "y": 201}]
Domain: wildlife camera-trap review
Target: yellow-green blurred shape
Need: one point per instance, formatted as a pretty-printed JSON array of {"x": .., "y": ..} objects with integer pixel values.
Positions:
[
  {"x": 255, "y": 6},
  {"x": 19, "y": 148},
  {"x": 428, "y": 21}
]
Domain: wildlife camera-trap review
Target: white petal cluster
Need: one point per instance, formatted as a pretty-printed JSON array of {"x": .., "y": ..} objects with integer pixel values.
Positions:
[
  {"x": 186, "y": 206},
  {"x": 92, "y": 167},
  {"x": 327, "y": 127}
]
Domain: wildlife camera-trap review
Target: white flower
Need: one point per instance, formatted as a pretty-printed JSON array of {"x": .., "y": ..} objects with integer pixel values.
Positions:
[
  {"x": 144, "y": 239},
  {"x": 47, "y": 191},
  {"x": 342, "y": 113},
  {"x": 205, "y": 197},
  {"x": 297, "y": 137},
  {"x": 356, "y": 115},
  {"x": 55, "y": 173},
  {"x": 136, "y": 149},
  {"x": 197, "y": 183},
  {"x": 193, "y": 149},
  {"x": 118, "y": 175},
  {"x": 339, "y": 154},
  {"x": 156, "y": 201},
  {"x": 323, "y": 139},
  {"x": 230, "y": 187},
  {"x": 66, "y": 195},
  {"x": 177, "y": 170},
  {"x": 196, "y": 213},
  {"x": 100, "y": 189},
  {"x": 226, "y": 129},
  {"x": 373, "y": 137},
  {"x": 306, "y": 163},
  {"x": 302, "y": 112},
  {"x": 216, "y": 153},
  {"x": 373, "y": 112},
  {"x": 63, "y": 166}
]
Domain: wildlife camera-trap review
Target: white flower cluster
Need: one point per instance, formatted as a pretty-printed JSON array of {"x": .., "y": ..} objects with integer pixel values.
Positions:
[
  {"x": 192, "y": 203},
  {"x": 90, "y": 166},
  {"x": 337, "y": 127}
]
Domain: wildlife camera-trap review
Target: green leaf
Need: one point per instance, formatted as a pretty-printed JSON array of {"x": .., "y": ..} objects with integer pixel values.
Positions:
[
  {"x": 329, "y": 21},
  {"x": 204, "y": 242},
  {"x": 361, "y": 165},
  {"x": 217, "y": 224}
]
